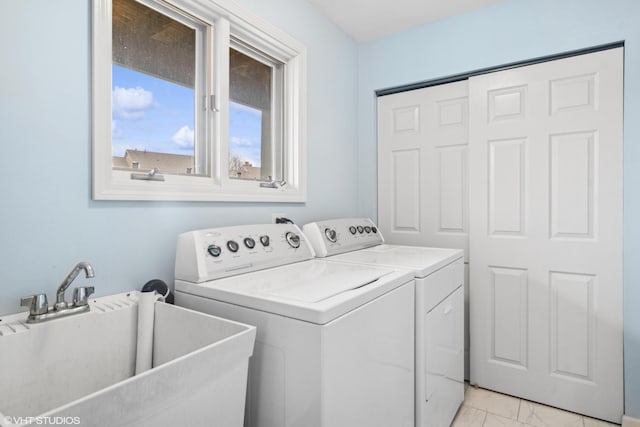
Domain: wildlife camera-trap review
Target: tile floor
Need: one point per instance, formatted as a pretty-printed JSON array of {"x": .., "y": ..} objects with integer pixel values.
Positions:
[{"x": 484, "y": 408}]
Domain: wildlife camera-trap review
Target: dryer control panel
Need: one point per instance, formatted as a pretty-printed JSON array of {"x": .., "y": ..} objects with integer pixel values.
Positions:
[
  {"x": 336, "y": 236},
  {"x": 214, "y": 253}
]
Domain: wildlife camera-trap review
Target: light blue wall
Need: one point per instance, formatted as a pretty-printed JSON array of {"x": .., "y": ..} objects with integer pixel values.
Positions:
[
  {"x": 511, "y": 31},
  {"x": 48, "y": 221}
]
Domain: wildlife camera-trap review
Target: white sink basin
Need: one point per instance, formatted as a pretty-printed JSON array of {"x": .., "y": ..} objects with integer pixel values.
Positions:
[{"x": 83, "y": 367}]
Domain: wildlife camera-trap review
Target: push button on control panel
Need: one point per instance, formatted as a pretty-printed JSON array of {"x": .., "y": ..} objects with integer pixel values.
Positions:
[
  {"x": 331, "y": 234},
  {"x": 249, "y": 242},
  {"x": 214, "y": 250},
  {"x": 233, "y": 246},
  {"x": 352, "y": 230},
  {"x": 293, "y": 239},
  {"x": 367, "y": 229},
  {"x": 360, "y": 229}
]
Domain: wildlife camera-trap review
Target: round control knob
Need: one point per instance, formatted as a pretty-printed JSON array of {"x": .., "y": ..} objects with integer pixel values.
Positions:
[
  {"x": 293, "y": 239},
  {"x": 367, "y": 229},
  {"x": 264, "y": 240},
  {"x": 249, "y": 242},
  {"x": 233, "y": 246},
  {"x": 331, "y": 234},
  {"x": 352, "y": 230},
  {"x": 360, "y": 229},
  {"x": 374, "y": 230},
  {"x": 214, "y": 250}
]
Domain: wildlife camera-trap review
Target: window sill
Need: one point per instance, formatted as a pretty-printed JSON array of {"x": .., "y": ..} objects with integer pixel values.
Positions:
[{"x": 197, "y": 189}]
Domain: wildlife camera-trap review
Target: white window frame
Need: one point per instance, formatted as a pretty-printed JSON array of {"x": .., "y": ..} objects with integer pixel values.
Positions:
[{"x": 227, "y": 20}]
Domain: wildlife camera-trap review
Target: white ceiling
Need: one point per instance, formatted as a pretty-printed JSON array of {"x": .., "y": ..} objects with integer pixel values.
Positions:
[{"x": 365, "y": 20}]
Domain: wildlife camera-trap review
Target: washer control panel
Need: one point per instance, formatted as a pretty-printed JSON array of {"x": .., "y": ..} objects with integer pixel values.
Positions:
[
  {"x": 336, "y": 236},
  {"x": 203, "y": 255}
]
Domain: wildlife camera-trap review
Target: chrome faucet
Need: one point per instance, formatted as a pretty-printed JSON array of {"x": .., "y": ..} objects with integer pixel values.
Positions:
[
  {"x": 89, "y": 273},
  {"x": 39, "y": 310}
]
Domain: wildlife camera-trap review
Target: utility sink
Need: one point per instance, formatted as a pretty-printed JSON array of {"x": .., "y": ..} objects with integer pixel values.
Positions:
[{"x": 82, "y": 369}]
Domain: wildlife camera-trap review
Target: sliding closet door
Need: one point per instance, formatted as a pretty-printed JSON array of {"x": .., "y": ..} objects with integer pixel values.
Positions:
[
  {"x": 423, "y": 179},
  {"x": 546, "y": 232}
]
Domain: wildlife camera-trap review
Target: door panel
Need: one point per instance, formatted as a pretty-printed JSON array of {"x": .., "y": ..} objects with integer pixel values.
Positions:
[
  {"x": 572, "y": 184},
  {"x": 509, "y": 328},
  {"x": 572, "y": 321},
  {"x": 507, "y": 191},
  {"x": 405, "y": 188},
  {"x": 545, "y": 161},
  {"x": 452, "y": 174}
]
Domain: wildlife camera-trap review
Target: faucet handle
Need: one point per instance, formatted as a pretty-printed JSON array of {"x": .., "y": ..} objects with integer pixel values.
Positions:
[
  {"x": 37, "y": 304},
  {"x": 81, "y": 295}
]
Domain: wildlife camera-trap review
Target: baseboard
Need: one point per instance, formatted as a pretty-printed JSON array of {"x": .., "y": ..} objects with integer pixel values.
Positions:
[{"x": 630, "y": 422}]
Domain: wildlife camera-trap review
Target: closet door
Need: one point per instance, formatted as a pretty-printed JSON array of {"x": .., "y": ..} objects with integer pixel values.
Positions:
[
  {"x": 423, "y": 180},
  {"x": 546, "y": 232}
]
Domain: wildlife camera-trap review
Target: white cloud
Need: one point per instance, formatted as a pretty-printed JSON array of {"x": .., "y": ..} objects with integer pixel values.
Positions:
[
  {"x": 131, "y": 103},
  {"x": 242, "y": 142},
  {"x": 116, "y": 133},
  {"x": 183, "y": 137}
]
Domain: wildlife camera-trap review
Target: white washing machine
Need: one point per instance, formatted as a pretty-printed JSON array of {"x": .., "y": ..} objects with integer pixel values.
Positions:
[
  {"x": 335, "y": 341},
  {"x": 439, "y": 312}
]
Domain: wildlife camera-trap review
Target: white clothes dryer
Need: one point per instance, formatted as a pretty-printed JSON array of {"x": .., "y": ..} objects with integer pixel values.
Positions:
[
  {"x": 335, "y": 341},
  {"x": 439, "y": 311}
]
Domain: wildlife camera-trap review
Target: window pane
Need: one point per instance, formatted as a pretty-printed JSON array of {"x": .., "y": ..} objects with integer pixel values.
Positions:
[
  {"x": 153, "y": 90},
  {"x": 245, "y": 134},
  {"x": 253, "y": 126}
]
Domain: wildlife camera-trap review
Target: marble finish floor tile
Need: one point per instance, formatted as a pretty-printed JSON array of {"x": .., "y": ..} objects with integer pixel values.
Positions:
[
  {"x": 493, "y": 420},
  {"x": 489, "y": 401},
  {"x": 591, "y": 422},
  {"x": 485, "y": 408},
  {"x": 538, "y": 415},
  {"x": 469, "y": 417}
]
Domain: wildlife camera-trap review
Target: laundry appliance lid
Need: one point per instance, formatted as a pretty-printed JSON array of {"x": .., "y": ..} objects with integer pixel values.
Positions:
[
  {"x": 316, "y": 291},
  {"x": 421, "y": 260}
]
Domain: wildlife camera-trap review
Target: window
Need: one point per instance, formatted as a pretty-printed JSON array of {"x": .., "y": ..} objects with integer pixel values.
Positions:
[
  {"x": 195, "y": 101},
  {"x": 255, "y": 122},
  {"x": 154, "y": 88}
]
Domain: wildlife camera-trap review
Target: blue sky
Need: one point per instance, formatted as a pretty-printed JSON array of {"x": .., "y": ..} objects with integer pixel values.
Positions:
[
  {"x": 245, "y": 130},
  {"x": 156, "y": 115}
]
